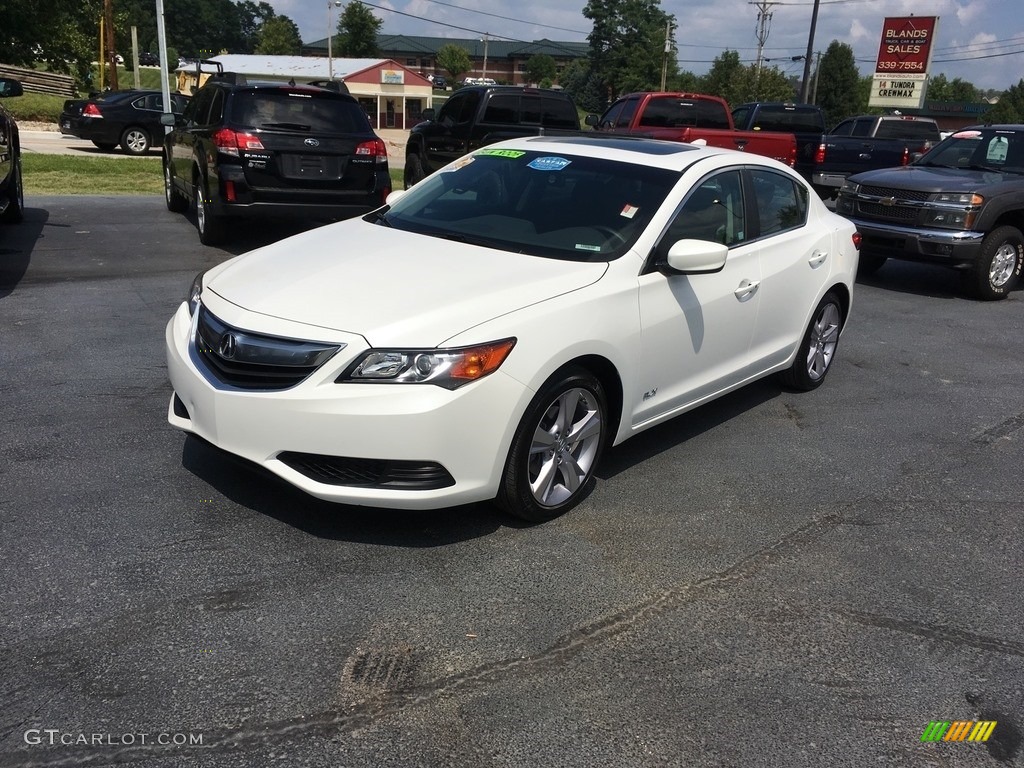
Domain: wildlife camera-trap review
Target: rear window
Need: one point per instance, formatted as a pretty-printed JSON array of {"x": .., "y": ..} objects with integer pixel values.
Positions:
[
  {"x": 907, "y": 129},
  {"x": 683, "y": 113},
  {"x": 794, "y": 120},
  {"x": 299, "y": 111}
]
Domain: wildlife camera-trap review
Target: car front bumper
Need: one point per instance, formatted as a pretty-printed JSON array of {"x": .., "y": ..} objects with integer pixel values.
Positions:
[
  {"x": 466, "y": 432},
  {"x": 936, "y": 246}
]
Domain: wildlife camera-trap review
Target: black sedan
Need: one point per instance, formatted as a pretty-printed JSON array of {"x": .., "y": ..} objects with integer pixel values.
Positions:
[
  {"x": 12, "y": 192},
  {"x": 128, "y": 118}
]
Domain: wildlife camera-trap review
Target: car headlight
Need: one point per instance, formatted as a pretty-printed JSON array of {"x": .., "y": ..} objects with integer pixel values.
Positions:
[
  {"x": 194, "y": 293},
  {"x": 449, "y": 368},
  {"x": 957, "y": 198},
  {"x": 849, "y": 188}
]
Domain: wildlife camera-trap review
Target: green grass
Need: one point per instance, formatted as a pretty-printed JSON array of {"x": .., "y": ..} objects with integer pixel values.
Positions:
[{"x": 66, "y": 175}]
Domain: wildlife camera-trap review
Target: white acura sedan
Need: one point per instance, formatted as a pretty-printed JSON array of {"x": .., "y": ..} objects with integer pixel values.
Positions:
[{"x": 489, "y": 332}]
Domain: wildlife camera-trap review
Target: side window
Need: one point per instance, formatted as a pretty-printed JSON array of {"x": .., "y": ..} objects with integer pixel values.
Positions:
[
  {"x": 467, "y": 110},
  {"x": 199, "y": 107},
  {"x": 450, "y": 110},
  {"x": 628, "y": 110},
  {"x": 178, "y": 104},
  {"x": 611, "y": 115},
  {"x": 845, "y": 128},
  {"x": 781, "y": 201},
  {"x": 502, "y": 108},
  {"x": 216, "y": 108},
  {"x": 862, "y": 127},
  {"x": 712, "y": 211},
  {"x": 149, "y": 101}
]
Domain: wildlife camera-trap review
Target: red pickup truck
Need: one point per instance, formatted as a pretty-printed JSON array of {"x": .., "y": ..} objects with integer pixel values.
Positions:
[{"x": 690, "y": 117}]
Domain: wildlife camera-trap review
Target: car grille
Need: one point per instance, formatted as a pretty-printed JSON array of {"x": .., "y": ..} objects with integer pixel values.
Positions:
[
  {"x": 253, "y": 361},
  {"x": 892, "y": 212},
  {"x": 899, "y": 194},
  {"x": 369, "y": 473}
]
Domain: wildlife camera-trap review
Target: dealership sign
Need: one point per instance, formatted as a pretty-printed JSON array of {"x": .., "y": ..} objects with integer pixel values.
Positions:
[{"x": 904, "y": 55}]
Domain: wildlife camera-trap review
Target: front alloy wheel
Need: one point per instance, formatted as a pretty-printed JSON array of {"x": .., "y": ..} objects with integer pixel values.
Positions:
[
  {"x": 999, "y": 265},
  {"x": 556, "y": 449},
  {"x": 818, "y": 348}
]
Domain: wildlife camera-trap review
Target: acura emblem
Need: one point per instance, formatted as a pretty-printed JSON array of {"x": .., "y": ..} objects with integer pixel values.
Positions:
[
  {"x": 312, "y": 142},
  {"x": 227, "y": 345}
]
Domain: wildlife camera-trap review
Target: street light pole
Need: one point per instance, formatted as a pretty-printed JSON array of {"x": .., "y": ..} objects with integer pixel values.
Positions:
[{"x": 330, "y": 37}]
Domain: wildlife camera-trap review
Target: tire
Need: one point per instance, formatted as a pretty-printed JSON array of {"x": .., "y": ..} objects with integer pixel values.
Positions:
[
  {"x": 212, "y": 229},
  {"x": 106, "y": 146},
  {"x": 15, "y": 210},
  {"x": 869, "y": 264},
  {"x": 413, "y": 171},
  {"x": 818, "y": 348},
  {"x": 176, "y": 202},
  {"x": 999, "y": 264},
  {"x": 550, "y": 466},
  {"x": 135, "y": 141}
]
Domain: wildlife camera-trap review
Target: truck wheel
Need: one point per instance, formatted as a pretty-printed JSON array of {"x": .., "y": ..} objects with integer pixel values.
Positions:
[
  {"x": 413, "y": 171},
  {"x": 999, "y": 264},
  {"x": 870, "y": 263}
]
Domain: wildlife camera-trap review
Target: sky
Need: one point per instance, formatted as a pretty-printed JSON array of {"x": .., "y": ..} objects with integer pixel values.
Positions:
[{"x": 981, "y": 41}]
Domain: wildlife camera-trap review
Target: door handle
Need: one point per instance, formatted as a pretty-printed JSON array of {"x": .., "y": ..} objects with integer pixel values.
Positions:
[
  {"x": 747, "y": 289},
  {"x": 818, "y": 258}
]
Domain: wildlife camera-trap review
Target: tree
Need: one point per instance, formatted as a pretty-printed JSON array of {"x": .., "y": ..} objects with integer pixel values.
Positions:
[
  {"x": 453, "y": 60},
  {"x": 357, "y": 32},
  {"x": 541, "y": 67},
  {"x": 1010, "y": 107},
  {"x": 838, "y": 83},
  {"x": 279, "y": 36},
  {"x": 941, "y": 89},
  {"x": 583, "y": 86},
  {"x": 727, "y": 78},
  {"x": 771, "y": 84},
  {"x": 253, "y": 17},
  {"x": 627, "y": 44}
]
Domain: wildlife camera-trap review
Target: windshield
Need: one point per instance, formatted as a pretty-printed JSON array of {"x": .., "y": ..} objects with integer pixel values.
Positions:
[
  {"x": 993, "y": 149},
  {"x": 557, "y": 206}
]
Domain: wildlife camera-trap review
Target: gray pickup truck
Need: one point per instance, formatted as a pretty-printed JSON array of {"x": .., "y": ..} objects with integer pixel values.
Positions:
[
  {"x": 868, "y": 142},
  {"x": 961, "y": 205}
]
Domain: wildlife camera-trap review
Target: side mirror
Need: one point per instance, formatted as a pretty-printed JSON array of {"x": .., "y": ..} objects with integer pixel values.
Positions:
[
  {"x": 168, "y": 119},
  {"x": 592, "y": 120},
  {"x": 9, "y": 87},
  {"x": 696, "y": 257}
]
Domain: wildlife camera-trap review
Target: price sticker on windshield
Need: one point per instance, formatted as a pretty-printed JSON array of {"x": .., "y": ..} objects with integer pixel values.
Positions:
[{"x": 512, "y": 153}]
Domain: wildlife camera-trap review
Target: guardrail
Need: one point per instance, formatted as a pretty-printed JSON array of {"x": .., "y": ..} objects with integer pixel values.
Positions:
[{"x": 41, "y": 82}]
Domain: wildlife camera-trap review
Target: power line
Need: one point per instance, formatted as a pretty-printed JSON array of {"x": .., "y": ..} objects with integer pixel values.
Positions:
[{"x": 506, "y": 18}]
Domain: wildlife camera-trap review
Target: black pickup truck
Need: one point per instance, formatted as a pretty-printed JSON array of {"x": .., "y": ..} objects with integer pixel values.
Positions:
[
  {"x": 478, "y": 115},
  {"x": 805, "y": 121},
  {"x": 961, "y": 205},
  {"x": 12, "y": 191},
  {"x": 868, "y": 142}
]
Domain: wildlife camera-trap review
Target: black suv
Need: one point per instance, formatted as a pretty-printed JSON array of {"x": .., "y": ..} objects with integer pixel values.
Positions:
[
  {"x": 257, "y": 150},
  {"x": 12, "y": 191}
]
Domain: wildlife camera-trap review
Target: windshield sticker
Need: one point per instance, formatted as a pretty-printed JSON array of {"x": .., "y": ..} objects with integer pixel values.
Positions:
[
  {"x": 585, "y": 247},
  {"x": 967, "y": 135},
  {"x": 462, "y": 162},
  {"x": 512, "y": 153},
  {"x": 548, "y": 163},
  {"x": 629, "y": 211}
]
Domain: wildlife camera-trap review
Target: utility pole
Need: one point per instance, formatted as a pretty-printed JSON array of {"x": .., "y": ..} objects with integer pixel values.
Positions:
[
  {"x": 764, "y": 22},
  {"x": 805, "y": 88},
  {"x": 668, "y": 48},
  {"x": 108, "y": 28},
  {"x": 484, "y": 75}
]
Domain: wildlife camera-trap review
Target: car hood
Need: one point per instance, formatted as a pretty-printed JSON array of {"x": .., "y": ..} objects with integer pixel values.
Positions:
[
  {"x": 393, "y": 288},
  {"x": 927, "y": 179}
]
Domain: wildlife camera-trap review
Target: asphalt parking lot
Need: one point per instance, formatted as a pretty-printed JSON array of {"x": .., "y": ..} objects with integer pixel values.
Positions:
[{"x": 776, "y": 579}]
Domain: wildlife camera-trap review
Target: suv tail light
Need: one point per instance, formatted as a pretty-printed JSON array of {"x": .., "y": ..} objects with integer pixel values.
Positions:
[
  {"x": 375, "y": 149},
  {"x": 819, "y": 156},
  {"x": 91, "y": 110},
  {"x": 232, "y": 142},
  {"x": 792, "y": 156},
  {"x": 905, "y": 160}
]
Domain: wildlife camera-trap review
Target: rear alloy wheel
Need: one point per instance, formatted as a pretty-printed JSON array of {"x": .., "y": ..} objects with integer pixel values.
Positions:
[
  {"x": 211, "y": 228},
  {"x": 999, "y": 264},
  {"x": 413, "y": 171},
  {"x": 550, "y": 467},
  {"x": 176, "y": 202},
  {"x": 15, "y": 210},
  {"x": 135, "y": 141},
  {"x": 818, "y": 348}
]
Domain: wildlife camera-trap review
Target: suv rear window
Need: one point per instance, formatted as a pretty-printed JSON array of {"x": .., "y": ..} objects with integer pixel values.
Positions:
[{"x": 305, "y": 111}]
